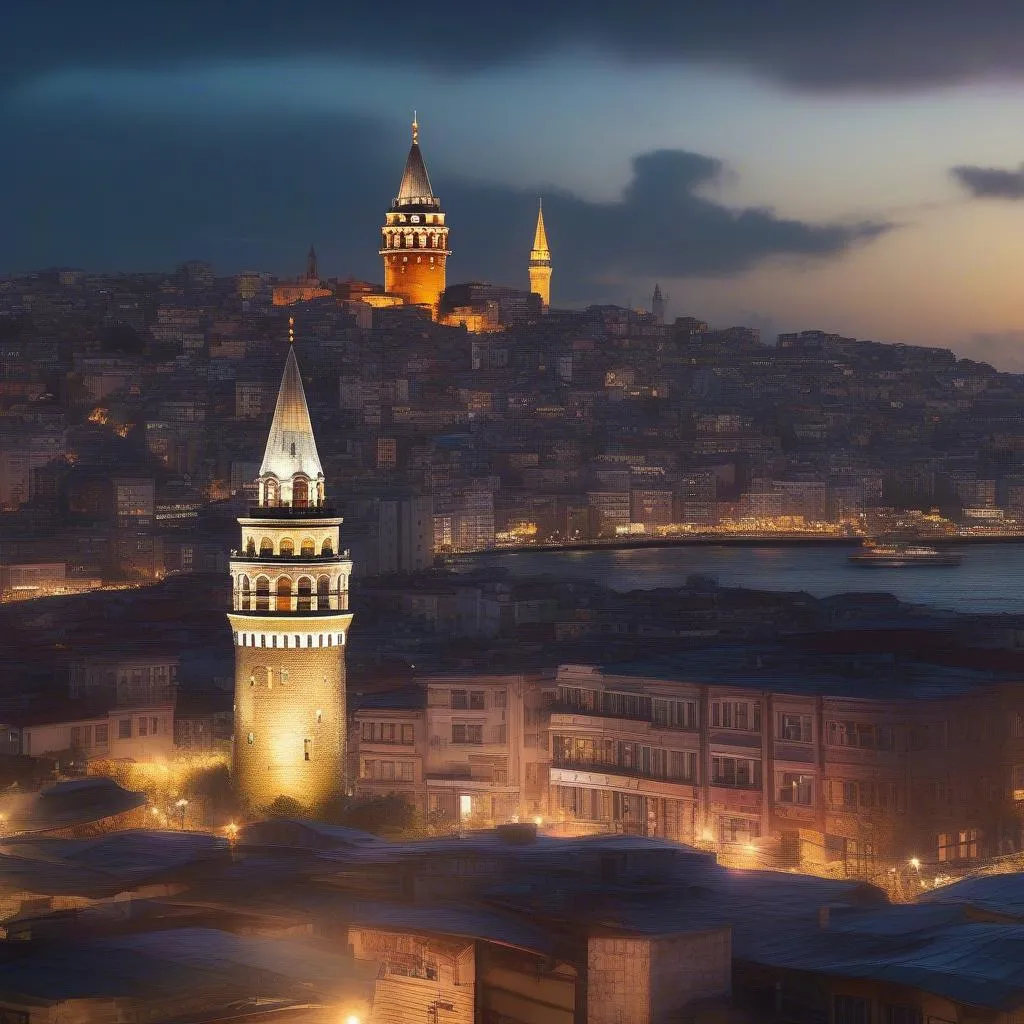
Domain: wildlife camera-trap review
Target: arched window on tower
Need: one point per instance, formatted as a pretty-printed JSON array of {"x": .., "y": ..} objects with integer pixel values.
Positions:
[
  {"x": 327, "y": 548},
  {"x": 323, "y": 593},
  {"x": 266, "y": 547},
  {"x": 287, "y": 547},
  {"x": 308, "y": 549},
  {"x": 262, "y": 594},
  {"x": 300, "y": 492},
  {"x": 305, "y": 594},
  {"x": 250, "y": 547},
  {"x": 284, "y": 594},
  {"x": 272, "y": 493},
  {"x": 246, "y": 599}
]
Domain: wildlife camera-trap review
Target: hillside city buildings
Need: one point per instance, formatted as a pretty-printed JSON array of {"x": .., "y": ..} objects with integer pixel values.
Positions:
[{"x": 574, "y": 767}]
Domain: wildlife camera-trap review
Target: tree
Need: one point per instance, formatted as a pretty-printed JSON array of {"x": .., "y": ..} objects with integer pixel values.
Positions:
[{"x": 285, "y": 807}]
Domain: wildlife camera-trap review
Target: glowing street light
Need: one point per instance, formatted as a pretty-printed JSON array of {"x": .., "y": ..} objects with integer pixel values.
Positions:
[
  {"x": 181, "y": 805},
  {"x": 915, "y": 863}
]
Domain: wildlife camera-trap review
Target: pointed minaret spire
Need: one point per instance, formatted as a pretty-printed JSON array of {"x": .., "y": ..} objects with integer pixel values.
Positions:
[
  {"x": 540, "y": 260},
  {"x": 658, "y": 304},
  {"x": 291, "y": 448},
  {"x": 311, "y": 270},
  {"x": 415, "y": 186}
]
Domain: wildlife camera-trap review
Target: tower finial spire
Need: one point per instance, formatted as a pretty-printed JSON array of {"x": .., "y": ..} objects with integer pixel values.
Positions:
[{"x": 415, "y": 129}]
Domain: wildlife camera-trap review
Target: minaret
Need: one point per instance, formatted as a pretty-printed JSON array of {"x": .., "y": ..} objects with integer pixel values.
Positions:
[
  {"x": 414, "y": 239},
  {"x": 312, "y": 274},
  {"x": 290, "y": 621},
  {"x": 658, "y": 305},
  {"x": 540, "y": 260}
]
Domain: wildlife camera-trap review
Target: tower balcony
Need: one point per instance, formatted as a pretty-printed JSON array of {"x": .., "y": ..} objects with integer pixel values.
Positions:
[{"x": 287, "y": 512}]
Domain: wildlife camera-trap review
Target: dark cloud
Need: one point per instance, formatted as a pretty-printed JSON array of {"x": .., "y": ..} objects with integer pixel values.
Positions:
[
  {"x": 991, "y": 182},
  {"x": 870, "y": 44},
  {"x": 136, "y": 193}
]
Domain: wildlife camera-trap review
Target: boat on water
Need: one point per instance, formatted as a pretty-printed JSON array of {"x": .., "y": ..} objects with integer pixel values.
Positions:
[{"x": 900, "y": 555}]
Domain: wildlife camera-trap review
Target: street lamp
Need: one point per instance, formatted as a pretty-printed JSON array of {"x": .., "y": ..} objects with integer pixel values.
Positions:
[{"x": 181, "y": 805}]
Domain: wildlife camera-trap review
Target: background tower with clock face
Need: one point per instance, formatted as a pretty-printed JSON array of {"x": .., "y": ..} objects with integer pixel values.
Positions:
[
  {"x": 290, "y": 621},
  {"x": 414, "y": 239}
]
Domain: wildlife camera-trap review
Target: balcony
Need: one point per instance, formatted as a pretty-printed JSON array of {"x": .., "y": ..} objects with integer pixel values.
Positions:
[
  {"x": 292, "y": 559},
  {"x": 571, "y": 710},
  {"x": 612, "y": 768},
  {"x": 289, "y": 512}
]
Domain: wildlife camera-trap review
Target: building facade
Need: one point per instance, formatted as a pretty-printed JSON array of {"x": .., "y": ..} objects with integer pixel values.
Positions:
[
  {"x": 290, "y": 621},
  {"x": 414, "y": 239}
]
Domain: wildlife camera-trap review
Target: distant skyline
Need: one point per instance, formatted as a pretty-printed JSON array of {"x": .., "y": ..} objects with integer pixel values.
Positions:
[{"x": 859, "y": 170}]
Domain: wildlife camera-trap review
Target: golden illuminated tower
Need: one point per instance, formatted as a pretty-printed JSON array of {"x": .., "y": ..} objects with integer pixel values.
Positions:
[
  {"x": 414, "y": 239},
  {"x": 540, "y": 261},
  {"x": 290, "y": 621}
]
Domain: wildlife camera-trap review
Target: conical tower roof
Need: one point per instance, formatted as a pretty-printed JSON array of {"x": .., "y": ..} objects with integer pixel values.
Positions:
[
  {"x": 291, "y": 447},
  {"x": 540, "y": 236},
  {"x": 415, "y": 181}
]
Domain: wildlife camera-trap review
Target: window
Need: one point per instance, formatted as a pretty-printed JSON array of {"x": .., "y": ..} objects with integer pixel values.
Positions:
[
  {"x": 460, "y": 699},
  {"x": 406, "y": 771},
  {"x": 76, "y": 737},
  {"x": 674, "y": 714},
  {"x": 850, "y": 1010},
  {"x": 407, "y": 735},
  {"x": 795, "y": 789},
  {"x": 501, "y": 698},
  {"x": 958, "y": 845},
  {"x": 899, "y": 1014},
  {"x": 793, "y": 727},
  {"x": 124, "y": 729},
  {"x": 735, "y": 771},
  {"x": 736, "y": 714},
  {"x": 143, "y": 730},
  {"x": 476, "y": 700},
  {"x": 462, "y": 733},
  {"x": 307, "y": 749},
  {"x": 738, "y": 830},
  {"x": 251, "y": 739},
  {"x": 682, "y": 764},
  {"x": 102, "y": 734}
]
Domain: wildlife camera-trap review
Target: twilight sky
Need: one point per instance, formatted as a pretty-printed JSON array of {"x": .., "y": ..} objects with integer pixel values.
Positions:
[{"x": 854, "y": 167}]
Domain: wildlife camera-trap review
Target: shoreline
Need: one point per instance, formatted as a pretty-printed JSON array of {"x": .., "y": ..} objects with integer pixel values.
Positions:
[{"x": 708, "y": 540}]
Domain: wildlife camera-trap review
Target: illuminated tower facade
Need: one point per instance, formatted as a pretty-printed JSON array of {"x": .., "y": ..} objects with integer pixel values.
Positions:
[
  {"x": 290, "y": 621},
  {"x": 414, "y": 239},
  {"x": 540, "y": 261}
]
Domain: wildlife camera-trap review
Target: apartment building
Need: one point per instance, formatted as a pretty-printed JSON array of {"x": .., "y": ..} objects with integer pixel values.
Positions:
[
  {"x": 801, "y": 760},
  {"x": 139, "y": 733},
  {"x": 461, "y": 748},
  {"x": 390, "y": 741}
]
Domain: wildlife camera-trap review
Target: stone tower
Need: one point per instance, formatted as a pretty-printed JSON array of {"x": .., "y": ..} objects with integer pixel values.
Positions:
[
  {"x": 540, "y": 261},
  {"x": 658, "y": 305},
  {"x": 290, "y": 621},
  {"x": 414, "y": 239}
]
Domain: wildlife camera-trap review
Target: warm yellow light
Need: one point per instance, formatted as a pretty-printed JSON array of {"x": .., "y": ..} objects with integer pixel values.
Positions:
[
  {"x": 352, "y": 1019},
  {"x": 750, "y": 848},
  {"x": 538, "y": 821},
  {"x": 915, "y": 863},
  {"x": 707, "y": 836}
]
